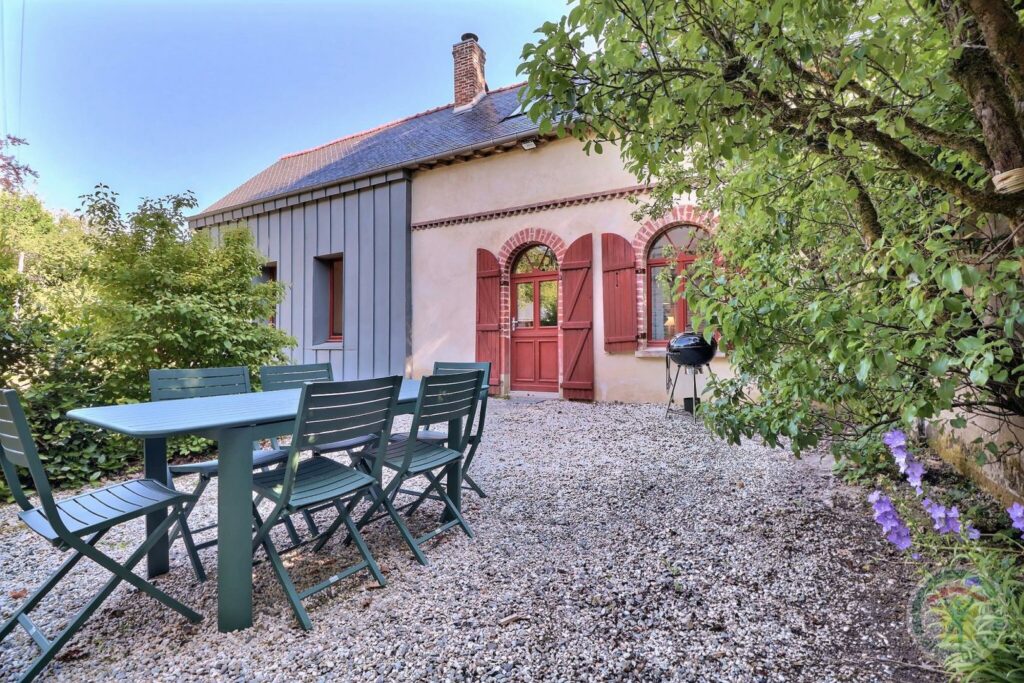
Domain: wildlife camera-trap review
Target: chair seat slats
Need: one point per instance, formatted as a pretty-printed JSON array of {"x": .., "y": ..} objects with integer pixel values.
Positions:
[
  {"x": 425, "y": 435},
  {"x": 346, "y": 445},
  {"x": 425, "y": 456},
  {"x": 260, "y": 458},
  {"x": 316, "y": 480},
  {"x": 90, "y": 512}
]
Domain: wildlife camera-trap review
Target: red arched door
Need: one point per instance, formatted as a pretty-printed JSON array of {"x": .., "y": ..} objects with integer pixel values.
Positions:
[{"x": 535, "y": 321}]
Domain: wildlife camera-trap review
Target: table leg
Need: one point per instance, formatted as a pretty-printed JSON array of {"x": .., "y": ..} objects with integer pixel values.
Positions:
[
  {"x": 155, "y": 467},
  {"x": 453, "y": 485},
  {"x": 234, "y": 530}
]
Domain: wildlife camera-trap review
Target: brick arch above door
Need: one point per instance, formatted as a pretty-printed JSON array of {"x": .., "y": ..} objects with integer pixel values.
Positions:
[{"x": 514, "y": 245}]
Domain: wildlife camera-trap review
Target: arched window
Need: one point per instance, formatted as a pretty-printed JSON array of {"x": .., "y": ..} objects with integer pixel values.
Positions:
[
  {"x": 670, "y": 254},
  {"x": 537, "y": 258}
]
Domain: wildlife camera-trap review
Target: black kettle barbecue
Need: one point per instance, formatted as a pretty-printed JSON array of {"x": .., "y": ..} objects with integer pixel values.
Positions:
[{"x": 691, "y": 351}]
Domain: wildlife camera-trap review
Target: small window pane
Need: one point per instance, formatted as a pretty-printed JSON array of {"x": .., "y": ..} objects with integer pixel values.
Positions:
[
  {"x": 663, "y": 311},
  {"x": 673, "y": 238},
  {"x": 536, "y": 259},
  {"x": 549, "y": 303},
  {"x": 524, "y": 305},
  {"x": 337, "y": 300}
]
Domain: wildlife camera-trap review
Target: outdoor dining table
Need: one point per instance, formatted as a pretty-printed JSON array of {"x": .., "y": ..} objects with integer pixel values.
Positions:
[{"x": 234, "y": 422}]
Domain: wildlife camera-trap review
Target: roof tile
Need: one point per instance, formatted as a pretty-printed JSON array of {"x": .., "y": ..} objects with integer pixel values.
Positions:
[{"x": 430, "y": 134}]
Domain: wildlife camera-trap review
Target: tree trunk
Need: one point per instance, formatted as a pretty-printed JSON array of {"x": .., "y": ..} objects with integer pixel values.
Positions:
[{"x": 1004, "y": 36}]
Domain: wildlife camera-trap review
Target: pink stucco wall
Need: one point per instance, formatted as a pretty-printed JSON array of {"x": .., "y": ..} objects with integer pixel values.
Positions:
[{"x": 443, "y": 257}]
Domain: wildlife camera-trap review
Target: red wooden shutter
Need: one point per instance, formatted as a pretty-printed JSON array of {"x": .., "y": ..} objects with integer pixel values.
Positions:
[
  {"x": 488, "y": 314},
  {"x": 619, "y": 285},
  {"x": 578, "y": 321}
]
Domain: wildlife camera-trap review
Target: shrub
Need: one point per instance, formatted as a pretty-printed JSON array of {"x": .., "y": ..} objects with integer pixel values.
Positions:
[
  {"x": 865, "y": 269},
  {"x": 170, "y": 298},
  {"x": 105, "y": 298}
]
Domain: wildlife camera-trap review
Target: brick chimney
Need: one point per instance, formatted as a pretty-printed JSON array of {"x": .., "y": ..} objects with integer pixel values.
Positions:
[{"x": 470, "y": 84}]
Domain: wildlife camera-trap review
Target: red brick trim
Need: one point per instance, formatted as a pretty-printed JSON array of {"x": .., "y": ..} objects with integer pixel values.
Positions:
[
  {"x": 528, "y": 237},
  {"x": 684, "y": 214},
  {"x": 533, "y": 208}
]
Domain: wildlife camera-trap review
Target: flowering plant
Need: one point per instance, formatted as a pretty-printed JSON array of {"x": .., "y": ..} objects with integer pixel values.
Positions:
[
  {"x": 982, "y": 628},
  {"x": 946, "y": 521}
]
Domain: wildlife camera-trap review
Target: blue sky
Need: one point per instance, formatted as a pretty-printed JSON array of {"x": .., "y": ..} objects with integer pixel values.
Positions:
[{"x": 153, "y": 97}]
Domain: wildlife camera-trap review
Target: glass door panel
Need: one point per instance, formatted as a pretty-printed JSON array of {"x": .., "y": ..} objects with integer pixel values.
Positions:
[
  {"x": 549, "y": 303},
  {"x": 524, "y": 305}
]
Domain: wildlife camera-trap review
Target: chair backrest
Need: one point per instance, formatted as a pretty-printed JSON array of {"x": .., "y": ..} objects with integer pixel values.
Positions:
[
  {"x": 445, "y": 398},
  {"x": 18, "y": 449},
  {"x": 448, "y": 368},
  {"x": 174, "y": 383},
  {"x": 275, "y": 377},
  {"x": 338, "y": 411}
]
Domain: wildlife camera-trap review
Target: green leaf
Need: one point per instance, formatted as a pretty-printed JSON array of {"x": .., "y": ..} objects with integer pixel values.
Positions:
[
  {"x": 952, "y": 279},
  {"x": 863, "y": 369}
]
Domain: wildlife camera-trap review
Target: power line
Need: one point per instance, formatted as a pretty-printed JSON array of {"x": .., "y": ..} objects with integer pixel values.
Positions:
[
  {"x": 21, "y": 67},
  {"x": 3, "y": 74}
]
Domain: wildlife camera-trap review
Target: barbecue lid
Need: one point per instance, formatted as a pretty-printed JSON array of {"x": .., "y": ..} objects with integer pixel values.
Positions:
[{"x": 690, "y": 348}]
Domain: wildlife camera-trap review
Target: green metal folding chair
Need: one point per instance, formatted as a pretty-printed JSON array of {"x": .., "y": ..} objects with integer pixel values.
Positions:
[
  {"x": 443, "y": 398},
  {"x": 328, "y": 412},
  {"x": 277, "y": 377},
  {"x": 432, "y": 436},
  {"x": 77, "y": 524},
  {"x": 178, "y": 383}
]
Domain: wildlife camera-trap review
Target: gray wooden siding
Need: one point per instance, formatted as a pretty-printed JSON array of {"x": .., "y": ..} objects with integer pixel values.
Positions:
[{"x": 369, "y": 228}]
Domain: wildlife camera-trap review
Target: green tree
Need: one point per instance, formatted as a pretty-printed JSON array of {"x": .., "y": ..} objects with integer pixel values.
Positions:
[
  {"x": 866, "y": 271},
  {"x": 89, "y": 304},
  {"x": 166, "y": 296}
]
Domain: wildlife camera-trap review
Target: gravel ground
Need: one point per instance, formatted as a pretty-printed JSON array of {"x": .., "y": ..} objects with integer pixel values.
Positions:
[{"x": 615, "y": 544}]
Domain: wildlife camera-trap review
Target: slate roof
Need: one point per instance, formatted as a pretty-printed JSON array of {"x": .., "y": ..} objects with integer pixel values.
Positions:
[{"x": 428, "y": 135}]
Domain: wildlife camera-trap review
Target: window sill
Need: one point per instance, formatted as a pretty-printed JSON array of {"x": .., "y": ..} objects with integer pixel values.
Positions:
[
  {"x": 328, "y": 346},
  {"x": 659, "y": 352}
]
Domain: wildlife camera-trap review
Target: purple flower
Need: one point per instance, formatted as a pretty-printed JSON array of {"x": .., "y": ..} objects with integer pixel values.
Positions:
[
  {"x": 896, "y": 532},
  {"x": 894, "y": 439},
  {"x": 914, "y": 472},
  {"x": 972, "y": 533},
  {"x": 947, "y": 521},
  {"x": 899, "y": 537},
  {"x": 1016, "y": 512}
]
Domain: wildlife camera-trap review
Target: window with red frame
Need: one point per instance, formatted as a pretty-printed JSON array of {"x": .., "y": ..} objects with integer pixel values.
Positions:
[
  {"x": 669, "y": 255},
  {"x": 336, "y": 312},
  {"x": 269, "y": 274}
]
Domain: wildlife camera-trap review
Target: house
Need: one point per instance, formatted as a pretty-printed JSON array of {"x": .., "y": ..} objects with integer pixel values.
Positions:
[{"x": 461, "y": 233}]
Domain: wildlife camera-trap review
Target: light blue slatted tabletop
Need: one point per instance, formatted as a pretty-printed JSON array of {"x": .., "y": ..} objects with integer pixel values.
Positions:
[{"x": 191, "y": 415}]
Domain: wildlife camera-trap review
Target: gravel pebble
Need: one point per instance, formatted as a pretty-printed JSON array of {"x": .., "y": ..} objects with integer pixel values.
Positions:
[{"x": 615, "y": 544}]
